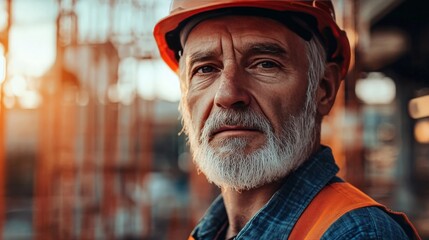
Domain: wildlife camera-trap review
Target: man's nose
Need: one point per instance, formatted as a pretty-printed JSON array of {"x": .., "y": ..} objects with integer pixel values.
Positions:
[{"x": 232, "y": 91}]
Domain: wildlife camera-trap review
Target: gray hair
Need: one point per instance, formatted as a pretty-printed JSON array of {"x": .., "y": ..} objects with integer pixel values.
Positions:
[{"x": 316, "y": 56}]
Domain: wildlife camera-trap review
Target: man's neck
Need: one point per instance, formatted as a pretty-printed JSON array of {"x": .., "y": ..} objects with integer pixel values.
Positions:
[{"x": 242, "y": 206}]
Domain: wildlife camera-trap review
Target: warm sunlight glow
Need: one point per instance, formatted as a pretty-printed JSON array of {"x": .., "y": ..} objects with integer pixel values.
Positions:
[
  {"x": 168, "y": 83},
  {"x": 421, "y": 131},
  {"x": 16, "y": 86},
  {"x": 156, "y": 80},
  {"x": 376, "y": 88},
  {"x": 18, "y": 90},
  {"x": 32, "y": 44},
  {"x": 419, "y": 107},
  {"x": 32, "y": 49},
  {"x": 31, "y": 99}
]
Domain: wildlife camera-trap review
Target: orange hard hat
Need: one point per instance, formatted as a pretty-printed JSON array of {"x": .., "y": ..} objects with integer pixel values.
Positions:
[{"x": 167, "y": 30}]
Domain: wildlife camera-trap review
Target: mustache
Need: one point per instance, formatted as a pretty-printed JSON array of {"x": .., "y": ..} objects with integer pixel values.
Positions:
[{"x": 246, "y": 118}]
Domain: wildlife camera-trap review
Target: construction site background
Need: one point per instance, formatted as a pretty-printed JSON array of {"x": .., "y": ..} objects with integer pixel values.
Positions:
[{"x": 89, "y": 143}]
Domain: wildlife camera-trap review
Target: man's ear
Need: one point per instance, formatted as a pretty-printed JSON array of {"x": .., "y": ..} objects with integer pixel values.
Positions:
[{"x": 328, "y": 88}]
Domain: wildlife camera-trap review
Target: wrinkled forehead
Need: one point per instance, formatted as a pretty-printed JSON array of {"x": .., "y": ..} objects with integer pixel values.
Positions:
[
  {"x": 242, "y": 32},
  {"x": 301, "y": 24},
  {"x": 240, "y": 40}
]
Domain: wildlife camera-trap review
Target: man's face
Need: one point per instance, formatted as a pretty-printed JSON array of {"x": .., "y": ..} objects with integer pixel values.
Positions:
[{"x": 244, "y": 83}]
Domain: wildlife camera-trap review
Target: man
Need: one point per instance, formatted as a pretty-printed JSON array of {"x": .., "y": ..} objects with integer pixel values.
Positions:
[{"x": 257, "y": 77}]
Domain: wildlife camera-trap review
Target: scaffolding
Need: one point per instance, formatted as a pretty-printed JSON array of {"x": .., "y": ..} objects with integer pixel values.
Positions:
[
  {"x": 103, "y": 159},
  {"x": 95, "y": 173}
]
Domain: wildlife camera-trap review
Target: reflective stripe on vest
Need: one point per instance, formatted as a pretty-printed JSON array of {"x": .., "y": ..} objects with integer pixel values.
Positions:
[{"x": 332, "y": 202}]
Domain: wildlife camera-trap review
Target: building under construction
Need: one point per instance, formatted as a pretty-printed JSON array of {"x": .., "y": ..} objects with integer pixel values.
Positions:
[{"x": 89, "y": 144}]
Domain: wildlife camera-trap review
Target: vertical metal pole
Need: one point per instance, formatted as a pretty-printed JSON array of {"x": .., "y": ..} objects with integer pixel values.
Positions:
[
  {"x": 354, "y": 152},
  {"x": 5, "y": 43}
]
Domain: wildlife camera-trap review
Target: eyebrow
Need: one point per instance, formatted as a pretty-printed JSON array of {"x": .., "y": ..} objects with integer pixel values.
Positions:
[
  {"x": 200, "y": 56},
  {"x": 266, "y": 48}
]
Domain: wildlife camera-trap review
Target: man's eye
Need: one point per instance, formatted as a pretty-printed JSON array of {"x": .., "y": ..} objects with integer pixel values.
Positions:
[
  {"x": 267, "y": 64},
  {"x": 205, "y": 69}
]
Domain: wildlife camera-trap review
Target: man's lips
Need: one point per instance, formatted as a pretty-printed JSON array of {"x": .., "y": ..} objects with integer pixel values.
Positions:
[{"x": 233, "y": 130}]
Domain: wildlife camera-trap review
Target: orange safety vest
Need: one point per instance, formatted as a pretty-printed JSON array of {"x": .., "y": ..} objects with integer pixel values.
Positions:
[{"x": 332, "y": 202}]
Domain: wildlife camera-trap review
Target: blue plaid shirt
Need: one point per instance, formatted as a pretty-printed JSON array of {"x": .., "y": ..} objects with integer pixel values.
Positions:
[{"x": 277, "y": 218}]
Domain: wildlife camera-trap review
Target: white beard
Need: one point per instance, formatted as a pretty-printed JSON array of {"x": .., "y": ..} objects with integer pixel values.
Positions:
[{"x": 229, "y": 166}]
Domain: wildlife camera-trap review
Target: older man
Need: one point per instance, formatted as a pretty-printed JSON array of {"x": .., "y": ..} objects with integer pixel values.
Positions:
[{"x": 257, "y": 77}]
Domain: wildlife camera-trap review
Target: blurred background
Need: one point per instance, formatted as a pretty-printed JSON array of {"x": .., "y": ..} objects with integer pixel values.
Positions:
[{"x": 89, "y": 144}]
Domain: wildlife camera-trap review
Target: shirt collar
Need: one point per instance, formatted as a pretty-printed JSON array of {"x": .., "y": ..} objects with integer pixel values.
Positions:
[
  {"x": 212, "y": 222},
  {"x": 277, "y": 218}
]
